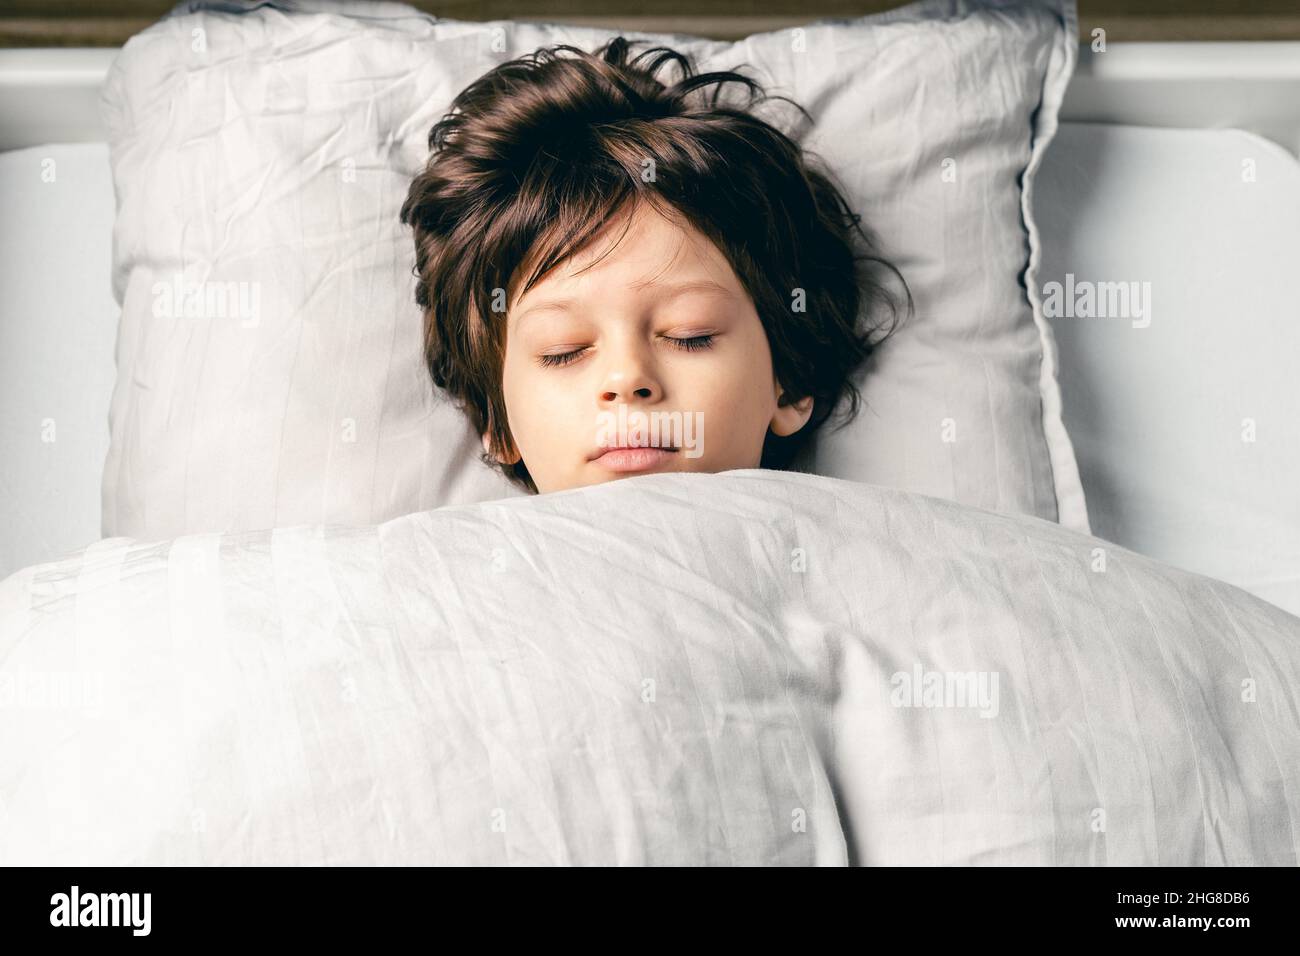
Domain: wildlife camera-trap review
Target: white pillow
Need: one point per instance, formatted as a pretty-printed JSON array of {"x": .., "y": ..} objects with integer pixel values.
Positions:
[{"x": 272, "y": 150}]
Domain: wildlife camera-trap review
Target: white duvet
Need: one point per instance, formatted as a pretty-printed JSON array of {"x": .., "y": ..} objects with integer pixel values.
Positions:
[{"x": 748, "y": 668}]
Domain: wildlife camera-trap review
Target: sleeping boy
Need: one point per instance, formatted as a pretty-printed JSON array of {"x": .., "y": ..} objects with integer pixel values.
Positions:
[{"x": 608, "y": 262}]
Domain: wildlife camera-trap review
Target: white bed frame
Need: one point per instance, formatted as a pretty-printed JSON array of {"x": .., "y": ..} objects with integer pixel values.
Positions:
[{"x": 52, "y": 95}]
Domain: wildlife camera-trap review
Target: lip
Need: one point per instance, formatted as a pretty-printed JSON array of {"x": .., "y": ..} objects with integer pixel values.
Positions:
[{"x": 633, "y": 459}]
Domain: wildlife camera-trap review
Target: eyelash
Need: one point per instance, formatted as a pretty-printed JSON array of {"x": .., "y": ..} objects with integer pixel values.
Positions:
[{"x": 692, "y": 344}]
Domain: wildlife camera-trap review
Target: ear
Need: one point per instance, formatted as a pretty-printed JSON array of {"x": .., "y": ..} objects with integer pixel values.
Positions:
[
  {"x": 487, "y": 447},
  {"x": 789, "y": 418}
]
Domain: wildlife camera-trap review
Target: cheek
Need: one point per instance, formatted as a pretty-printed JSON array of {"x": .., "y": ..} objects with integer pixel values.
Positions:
[
  {"x": 540, "y": 405},
  {"x": 512, "y": 380},
  {"x": 739, "y": 394},
  {"x": 736, "y": 388},
  {"x": 754, "y": 367},
  {"x": 516, "y": 384}
]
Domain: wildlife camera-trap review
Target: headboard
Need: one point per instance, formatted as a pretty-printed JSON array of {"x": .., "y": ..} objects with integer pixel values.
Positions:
[
  {"x": 99, "y": 23},
  {"x": 49, "y": 92}
]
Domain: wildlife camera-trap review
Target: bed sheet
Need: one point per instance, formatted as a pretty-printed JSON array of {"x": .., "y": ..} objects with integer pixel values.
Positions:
[
  {"x": 1182, "y": 408},
  {"x": 58, "y": 325}
]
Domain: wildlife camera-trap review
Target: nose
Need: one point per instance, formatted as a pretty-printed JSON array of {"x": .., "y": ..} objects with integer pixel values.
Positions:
[
  {"x": 616, "y": 394},
  {"x": 630, "y": 374}
]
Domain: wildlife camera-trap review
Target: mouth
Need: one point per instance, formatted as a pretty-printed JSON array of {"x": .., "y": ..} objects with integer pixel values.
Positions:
[{"x": 639, "y": 458}]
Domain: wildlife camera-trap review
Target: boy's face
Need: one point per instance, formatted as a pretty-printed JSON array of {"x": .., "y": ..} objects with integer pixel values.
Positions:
[{"x": 580, "y": 346}]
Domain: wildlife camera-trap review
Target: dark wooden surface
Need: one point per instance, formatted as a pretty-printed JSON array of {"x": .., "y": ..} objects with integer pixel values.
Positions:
[{"x": 111, "y": 22}]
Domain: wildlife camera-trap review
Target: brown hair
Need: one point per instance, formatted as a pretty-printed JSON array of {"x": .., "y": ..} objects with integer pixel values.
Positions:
[{"x": 539, "y": 153}]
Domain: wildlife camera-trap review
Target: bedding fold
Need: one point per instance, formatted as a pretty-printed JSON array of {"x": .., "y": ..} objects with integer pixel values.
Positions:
[{"x": 754, "y": 667}]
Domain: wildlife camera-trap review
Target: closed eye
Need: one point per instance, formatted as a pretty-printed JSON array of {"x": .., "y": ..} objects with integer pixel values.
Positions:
[
  {"x": 691, "y": 344},
  {"x": 694, "y": 342},
  {"x": 559, "y": 358}
]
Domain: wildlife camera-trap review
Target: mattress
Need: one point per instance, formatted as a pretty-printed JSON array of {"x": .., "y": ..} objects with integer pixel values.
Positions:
[
  {"x": 58, "y": 323},
  {"x": 1183, "y": 412}
]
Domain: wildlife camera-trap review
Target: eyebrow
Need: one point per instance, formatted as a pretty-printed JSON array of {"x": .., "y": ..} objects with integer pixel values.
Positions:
[{"x": 670, "y": 290}]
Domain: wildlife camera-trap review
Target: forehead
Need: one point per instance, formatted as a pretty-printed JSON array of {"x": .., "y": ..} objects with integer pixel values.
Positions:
[{"x": 634, "y": 253}]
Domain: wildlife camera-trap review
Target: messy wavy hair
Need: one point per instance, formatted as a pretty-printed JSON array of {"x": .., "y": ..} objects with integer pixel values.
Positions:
[{"x": 538, "y": 154}]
